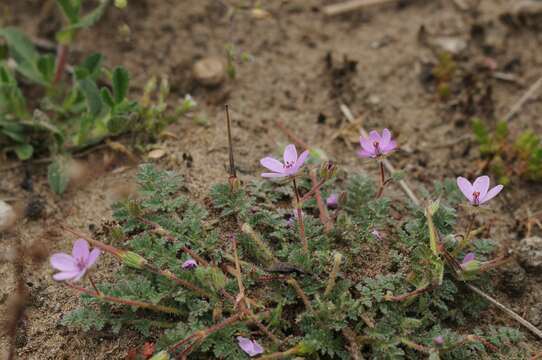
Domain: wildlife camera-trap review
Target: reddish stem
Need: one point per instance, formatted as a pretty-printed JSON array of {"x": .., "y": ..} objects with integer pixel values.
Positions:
[
  {"x": 382, "y": 180},
  {"x": 117, "y": 300},
  {"x": 61, "y": 59},
  {"x": 323, "y": 214}
]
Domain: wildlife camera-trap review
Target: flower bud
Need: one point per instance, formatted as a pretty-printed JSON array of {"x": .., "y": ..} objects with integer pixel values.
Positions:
[
  {"x": 328, "y": 170},
  {"x": 235, "y": 183},
  {"x": 133, "y": 260},
  {"x": 121, "y": 4},
  {"x": 162, "y": 355},
  {"x": 305, "y": 348},
  {"x": 438, "y": 340}
]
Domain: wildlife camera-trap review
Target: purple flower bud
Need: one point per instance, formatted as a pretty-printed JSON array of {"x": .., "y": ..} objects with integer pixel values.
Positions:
[
  {"x": 438, "y": 340},
  {"x": 73, "y": 267},
  {"x": 376, "y": 234},
  {"x": 332, "y": 201},
  {"x": 189, "y": 264},
  {"x": 467, "y": 259},
  {"x": 250, "y": 347}
]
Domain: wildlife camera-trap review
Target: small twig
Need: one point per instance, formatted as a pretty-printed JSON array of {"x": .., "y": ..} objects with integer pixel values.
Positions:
[
  {"x": 352, "y": 5},
  {"x": 514, "y": 110},
  {"x": 230, "y": 144},
  {"x": 404, "y": 185},
  {"x": 511, "y": 313}
]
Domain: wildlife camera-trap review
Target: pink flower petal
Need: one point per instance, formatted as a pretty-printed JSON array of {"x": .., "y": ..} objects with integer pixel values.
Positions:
[
  {"x": 257, "y": 348},
  {"x": 365, "y": 154},
  {"x": 272, "y": 164},
  {"x": 63, "y": 262},
  {"x": 65, "y": 275},
  {"x": 367, "y": 145},
  {"x": 492, "y": 193},
  {"x": 92, "y": 257},
  {"x": 466, "y": 187},
  {"x": 290, "y": 154},
  {"x": 468, "y": 258},
  {"x": 80, "y": 249},
  {"x": 386, "y": 138},
  {"x": 481, "y": 185},
  {"x": 299, "y": 163},
  {"x": 79, "y": 275},
  {"x": 374, "y": 136},
  {"x": 392, "y": 145},
  {"x": 272, "y": 175}
]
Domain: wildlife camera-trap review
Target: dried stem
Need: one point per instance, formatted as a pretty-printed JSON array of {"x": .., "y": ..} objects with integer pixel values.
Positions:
[
  {"x": 403, "y": 297},
  {"x": 200, "y": 335},
  {"x": 323, "y": 214},
  {"x": 353, "y": 347},
  {"x": 100, "y": 295},
  {"x": 230, "y": 144},
  {"x": 300, "y": 293},
  {"x": 300, "y": 218}
]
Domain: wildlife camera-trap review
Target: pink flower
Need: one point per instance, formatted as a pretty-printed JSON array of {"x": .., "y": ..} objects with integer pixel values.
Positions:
[
  {"x": 438, "y": 340},
  {"x": 467, "y": 259},
  {"x": 73, "y": 267},
  {"x": 376, "y": 234},
  {"x": 250, "y": 347},
  {"x": 332, "y": 201},
  {"x": 478, "y": 192},
  {"x": 291, "y": 165},
  {"x": 376, "y": 145},
  {"x": 189, "y": 264}
]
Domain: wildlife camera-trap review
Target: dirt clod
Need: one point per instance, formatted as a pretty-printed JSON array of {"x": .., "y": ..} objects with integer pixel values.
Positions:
[
  {"x": 530, "y": 253},
  {"x": 209, "y": 71},
  {"x": 513, "y": 279}
]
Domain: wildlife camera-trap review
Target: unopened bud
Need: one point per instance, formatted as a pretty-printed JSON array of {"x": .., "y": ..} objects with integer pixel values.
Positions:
[
  {"x": 121, "y": 4},
  {"x": 133, "y": 260},
  {"x": 162, "y": 355},
  {"x": 328, "y": 170},
  {"x": 235, "y": 183},
  {"x": 305, "y": 348}
]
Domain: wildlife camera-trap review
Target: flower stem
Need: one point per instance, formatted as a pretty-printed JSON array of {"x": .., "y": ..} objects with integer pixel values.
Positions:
[
  {"x": 300, "y": 218},
  {"x": 93, "y": 284},
  {"x": 403, "y": 297},
  {"x": 129, "y": 302},
  {"x": 61, "y": 59},
  {"x": 466, "y": 239},
  {"x": 324, "y": 216},
  {"x": 280, "y": 355},
  {"x": 382, "y": 180}
]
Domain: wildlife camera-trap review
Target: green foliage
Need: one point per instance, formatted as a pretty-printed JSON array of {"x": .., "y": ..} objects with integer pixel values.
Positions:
[
  {"x": 509, "y": 157},
  {"x": 356, "y": 301}
]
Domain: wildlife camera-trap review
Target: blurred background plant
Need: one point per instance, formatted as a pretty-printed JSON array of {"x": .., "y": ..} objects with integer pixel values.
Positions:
[
  {"x": 507, "y": 155},
  {"x": 50, "y": 108}
]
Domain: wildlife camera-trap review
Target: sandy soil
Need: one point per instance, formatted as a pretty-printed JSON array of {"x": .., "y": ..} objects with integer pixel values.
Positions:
[{"x": 304, "y": 66}]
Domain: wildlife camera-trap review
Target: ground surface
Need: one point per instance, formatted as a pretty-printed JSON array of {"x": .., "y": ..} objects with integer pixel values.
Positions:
[{"x": 304, "y": 66}]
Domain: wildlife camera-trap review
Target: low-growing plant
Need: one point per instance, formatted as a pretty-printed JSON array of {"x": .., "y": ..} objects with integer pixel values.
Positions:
[
  {"x": 248, "y": 275},
  {"x": 510, "y": 156}
]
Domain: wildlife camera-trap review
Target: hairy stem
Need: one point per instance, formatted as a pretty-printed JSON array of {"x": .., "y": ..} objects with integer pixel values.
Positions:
[
  {"x": 323, "y": 214},
  {"x": 300, "y": 218},
  {"x": 382, "y": 180},
  {"x": 300, "y": 293},
  {"x": 100, "y": 295},
  {"x": 403, "y": 297}
]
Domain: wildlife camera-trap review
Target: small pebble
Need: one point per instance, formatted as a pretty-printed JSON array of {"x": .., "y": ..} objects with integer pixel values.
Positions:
[
  {"x": 7, "y": 216},
  {"x": 530, "y": 253},
  {"x": 209, "y": 71}
]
